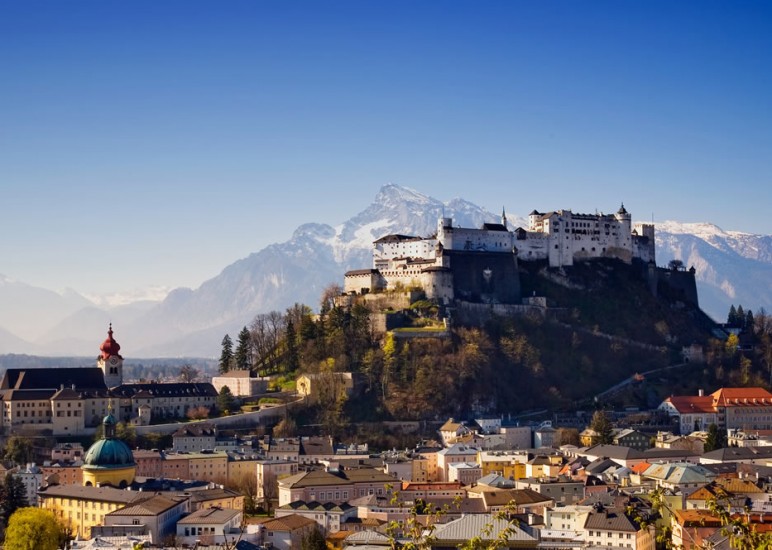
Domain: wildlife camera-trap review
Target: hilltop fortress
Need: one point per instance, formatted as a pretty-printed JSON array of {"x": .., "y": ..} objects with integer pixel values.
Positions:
[{"x": 481, "y": 265}]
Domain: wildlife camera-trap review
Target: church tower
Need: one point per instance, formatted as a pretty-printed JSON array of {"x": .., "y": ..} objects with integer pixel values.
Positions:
[{"x": 110, "y": 361}]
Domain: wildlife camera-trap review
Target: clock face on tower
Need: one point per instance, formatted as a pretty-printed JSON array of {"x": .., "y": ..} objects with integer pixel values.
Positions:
[{"x": 113, "y": 360}]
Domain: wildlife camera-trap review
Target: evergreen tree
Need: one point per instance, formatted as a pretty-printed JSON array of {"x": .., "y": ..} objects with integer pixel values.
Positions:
[
  {"x": 292, "y": 362},
  {"x": 226, "y": 357},
  {"x": 740, "y": 316},
  {"x": 601, "y": 423},
  {"x": 225, "y": 400},
  {"x": 715, "y": 439},
  {"x": 731, "y": 319},
  {"x": 243, "y": 356},
  {"x": 13, "y": 496},
  {"x": 749, "y": 325}
]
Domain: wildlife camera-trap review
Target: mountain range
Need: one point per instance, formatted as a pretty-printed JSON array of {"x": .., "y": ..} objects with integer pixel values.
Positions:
[{"x": 731, "y": 268}]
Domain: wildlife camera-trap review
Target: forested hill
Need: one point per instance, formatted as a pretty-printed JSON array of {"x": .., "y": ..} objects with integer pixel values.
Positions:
[{"x": 603, "y": 325}]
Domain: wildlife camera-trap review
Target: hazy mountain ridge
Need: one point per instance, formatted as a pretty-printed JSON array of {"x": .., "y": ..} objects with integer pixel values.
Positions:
[{"x": 732, "y": 267}]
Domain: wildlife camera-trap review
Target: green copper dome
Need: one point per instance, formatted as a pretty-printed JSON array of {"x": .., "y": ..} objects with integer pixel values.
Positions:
[{"x": 108, "y": 453}]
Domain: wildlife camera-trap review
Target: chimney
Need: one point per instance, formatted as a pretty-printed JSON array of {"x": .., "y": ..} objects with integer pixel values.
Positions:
[{"x": 701, "y": 392}]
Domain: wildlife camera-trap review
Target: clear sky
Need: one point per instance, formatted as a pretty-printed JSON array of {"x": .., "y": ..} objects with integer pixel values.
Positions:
[{"x": 154, "y": 142}]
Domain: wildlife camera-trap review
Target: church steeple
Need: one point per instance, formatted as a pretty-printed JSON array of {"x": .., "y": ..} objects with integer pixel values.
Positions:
[
  {"x": 503, "y": 218},
  {"x": 110, "y": 360}
]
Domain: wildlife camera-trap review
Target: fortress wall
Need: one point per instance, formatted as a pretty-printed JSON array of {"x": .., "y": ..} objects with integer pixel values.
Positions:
[
  {"x": 681, "y": 285},
  {"x": 438, "y": 285},
  {"x": 468, "y": 313},
  {"x": 458, "y": 238},
  {"x": 485, "y": 276}
]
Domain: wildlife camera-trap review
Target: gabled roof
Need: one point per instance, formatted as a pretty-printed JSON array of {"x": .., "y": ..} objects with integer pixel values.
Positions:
[
  {"x": 696, "y": 518},
  {"x": 210, "y": 515},
  {"x": 728, "y": 454},
  {"x": 470, "y": 526},
  {"x": 459, "y": 449},
  {"x": 610, "y": 519},
  {"x": 617, "y": 452},
  {"x": 149, "y": 507},
  {"x": 104, "y": 494},
  {"x": 196, "y": 430},
  {"x": 451, "y": 426},
  {"x": 518, "y": 497},
  {"x": 291, "y": 522},
  {"x": 731, "y": 397},
  {"x": 679, "y": 473},
  {"x": 316, "y": 505},
  {"x": 320, "y": 478},
  {"x": 692, "y": 404}
]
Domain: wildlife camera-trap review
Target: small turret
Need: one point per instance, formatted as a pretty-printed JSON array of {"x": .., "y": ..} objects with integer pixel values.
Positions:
[{"x": 503, "y": 217}]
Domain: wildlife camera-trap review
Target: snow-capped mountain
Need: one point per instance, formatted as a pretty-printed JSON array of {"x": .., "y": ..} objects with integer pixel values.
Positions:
[{"x": 731, "y": 267}]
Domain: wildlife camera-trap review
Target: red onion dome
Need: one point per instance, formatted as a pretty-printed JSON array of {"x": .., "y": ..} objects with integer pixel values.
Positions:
[{"x": 110, "y": 347}]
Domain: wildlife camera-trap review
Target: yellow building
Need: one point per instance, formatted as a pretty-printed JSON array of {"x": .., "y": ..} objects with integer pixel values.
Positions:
[
  {"x": 81, "y": 508},
  {"x": 109, "y": 461}
]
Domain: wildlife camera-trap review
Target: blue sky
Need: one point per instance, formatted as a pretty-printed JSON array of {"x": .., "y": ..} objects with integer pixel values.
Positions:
[{"x": 154, "y": 142}]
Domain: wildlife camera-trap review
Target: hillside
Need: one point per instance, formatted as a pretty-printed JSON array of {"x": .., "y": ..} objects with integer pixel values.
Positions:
[{"x": 603, "y": 325}]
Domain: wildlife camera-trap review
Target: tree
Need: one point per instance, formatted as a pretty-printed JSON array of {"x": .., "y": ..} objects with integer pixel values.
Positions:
[
  {"x": 13, "y": 496},
  {"x": 292, "y": 356},
  {"x": 731, "y": 318},
  {"x": 18, "y": 450},
  {"x": 715, "y": 439},
  {"x": 243, "y": 356},
  {"x": 225, "y": 400},
  {"x": 313, "y": 541},
  {"x": 188, "y": 373},
  {"x": 675, "y": 265},
  {"x": 198, "y": 413},
  {"x": 567, "y": 436},
  {"x": 287, "y": 427},
  {"x": 226, "y": 357},
  {"x": 33, "y": 528},
  {"x": 601, "y": 423}
]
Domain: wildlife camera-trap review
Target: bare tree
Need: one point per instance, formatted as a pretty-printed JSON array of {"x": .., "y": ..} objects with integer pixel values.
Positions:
[
  {"x": 327, "y": 301},
  {"x": 267, "y": 331},
  {"x": 188, "y": 373}
]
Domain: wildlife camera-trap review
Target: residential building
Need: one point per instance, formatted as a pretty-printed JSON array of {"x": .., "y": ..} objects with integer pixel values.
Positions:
[
  {"x": 194, "y": 437},
  {"x": 336, "y": 486},
  {"x": 210, "y": 526},
  {"x": 328, "y": 516},
  {"x": 610, "y": 527},
  {"x": 32, "y": 478},
  {"x": 285, "y": 532},
  {"x": 155, "y": 515},
  {"x": 82, "y": 507}
]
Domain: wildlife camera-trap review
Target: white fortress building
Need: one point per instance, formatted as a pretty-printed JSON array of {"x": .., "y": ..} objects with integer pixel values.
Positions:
[{"x": 485, "y": 258}]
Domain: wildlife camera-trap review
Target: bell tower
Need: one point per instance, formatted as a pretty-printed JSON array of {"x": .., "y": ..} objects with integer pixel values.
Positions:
[{"x": 110, "y": 361}]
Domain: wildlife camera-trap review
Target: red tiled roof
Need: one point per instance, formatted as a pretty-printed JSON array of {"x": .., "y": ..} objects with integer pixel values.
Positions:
[
  {"x": 686, "y": 404},
  {"x": 730, "y": 397}
]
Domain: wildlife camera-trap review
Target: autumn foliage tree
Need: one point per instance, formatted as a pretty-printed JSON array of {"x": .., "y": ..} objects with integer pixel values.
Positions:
[{"x": 33, "y": 529}]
